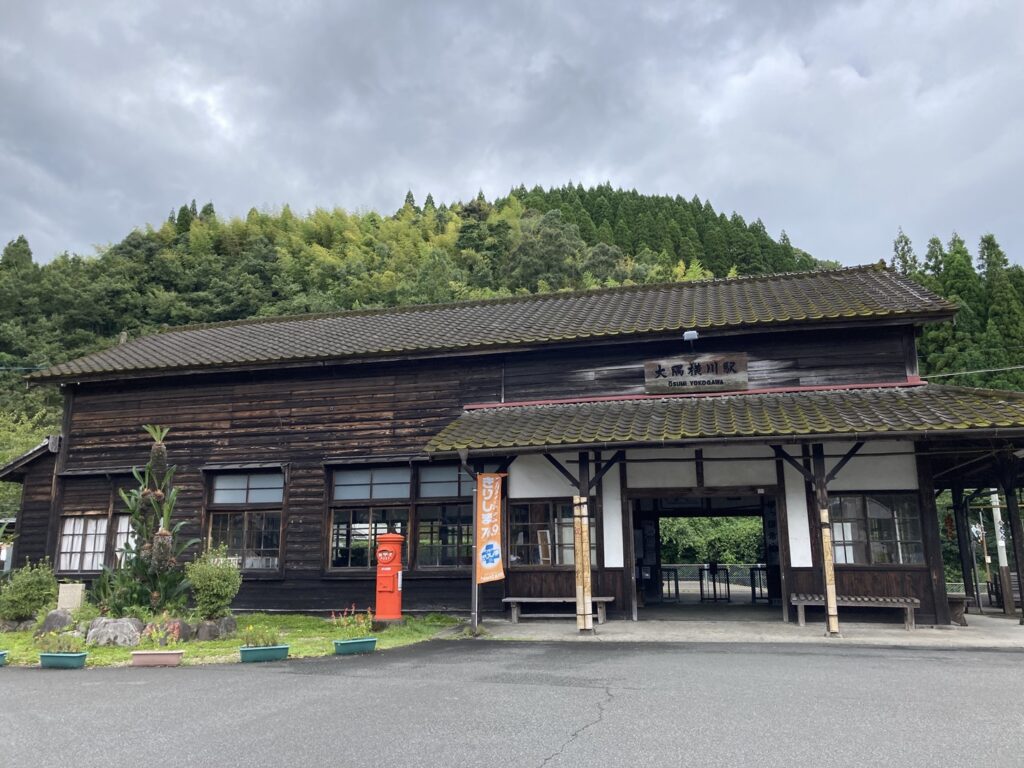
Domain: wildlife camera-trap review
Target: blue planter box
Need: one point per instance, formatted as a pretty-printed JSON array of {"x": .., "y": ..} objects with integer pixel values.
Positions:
[
  {"x": 3, "y": 658},
  {"x": 62, "y": 660},
  {"x": 359, "y": 645},
  {"x": 267, "y": 653}
]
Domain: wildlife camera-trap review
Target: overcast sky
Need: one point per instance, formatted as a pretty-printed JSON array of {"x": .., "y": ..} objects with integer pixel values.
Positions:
[{"x": 837, "y": 122}]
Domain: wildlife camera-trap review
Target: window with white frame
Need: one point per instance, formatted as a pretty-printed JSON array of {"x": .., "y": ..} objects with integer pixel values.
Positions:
[
  {"x": 445, "y": 535},
  {"x": 354, "y": 533},
  {"x": 444, "y": 481},
  {"x": 245, "y": 517},
  {"x": 366, "y": 483},
  {"x": 83, "y": 543},
  {"x": 122, "y": 532},
  {"x": 542, "y": 533},
  {"x": 876, "y": 529},
  {"x": 366, "y": 502},
  {"x": 430, "y": 504}
]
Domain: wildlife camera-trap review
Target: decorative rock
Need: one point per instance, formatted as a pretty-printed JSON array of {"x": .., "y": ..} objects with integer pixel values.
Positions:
[
  {"x": 55, "y": 621},
  {"x": 207, "y": 630},
  {"x": 228, "y": 626},
  {"x": 8, "y": 626},
  {"x": 179, "y": 628},
  {"x": 214, "y": 630},
  {"x": 26, "y": 626},
  {"x": 120, "y": 632}
]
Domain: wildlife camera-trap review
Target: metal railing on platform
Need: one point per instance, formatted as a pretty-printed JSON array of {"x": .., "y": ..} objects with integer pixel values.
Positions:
[{"x": 679, "y": 580}]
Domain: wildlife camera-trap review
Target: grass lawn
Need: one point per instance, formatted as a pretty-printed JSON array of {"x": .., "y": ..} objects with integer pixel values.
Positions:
[{"x": 306, "y": 635}]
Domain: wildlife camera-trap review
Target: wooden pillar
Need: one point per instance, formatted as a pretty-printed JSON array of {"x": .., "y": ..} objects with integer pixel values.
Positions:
[
  {"x": 828, "y": 567},
  {"x": 1008, "y": 477},
  {"x": 782, "y": 518},
  {"x": 628, "y": 545},
  {"x": 581, "y": 549},
  {"x": 963, "y": 540}
]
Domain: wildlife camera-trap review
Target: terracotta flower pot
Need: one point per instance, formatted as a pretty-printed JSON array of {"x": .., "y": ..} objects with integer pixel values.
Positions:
[{"x": 156, "y": 658}]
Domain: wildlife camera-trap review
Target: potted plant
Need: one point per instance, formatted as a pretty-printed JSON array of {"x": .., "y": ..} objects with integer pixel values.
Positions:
[
  {"x": 353, "y": 622},
  {"x": 61, "y": 651},
  {"x": 164, "y": 635},
  {"x": 262, "y": 644},
  {"x": 3, "y": 658}
]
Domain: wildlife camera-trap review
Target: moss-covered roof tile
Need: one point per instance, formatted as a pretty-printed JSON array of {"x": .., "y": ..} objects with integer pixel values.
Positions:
[
  {"x": 842, "y": 295},
  {"x": 915, "y": 410}
]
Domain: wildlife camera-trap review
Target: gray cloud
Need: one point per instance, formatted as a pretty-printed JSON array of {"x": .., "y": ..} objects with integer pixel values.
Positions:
[{"x": 837, "y": 122}]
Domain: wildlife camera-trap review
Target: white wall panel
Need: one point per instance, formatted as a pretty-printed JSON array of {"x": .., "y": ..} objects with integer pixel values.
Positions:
[
  {"x": 532, "y": 476},
  {"x": 662, "y": 474},
  {"x": 725, "y": 473},
  {"x": 611, "y": 500},
  {"x": 865, "y": 472},
  {"x": 796, "y": 514}
]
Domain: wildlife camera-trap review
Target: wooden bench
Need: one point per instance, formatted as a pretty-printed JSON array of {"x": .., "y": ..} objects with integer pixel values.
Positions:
[
  {"x": 515, "y": 603},
  {"x": 908, "y": 604}
]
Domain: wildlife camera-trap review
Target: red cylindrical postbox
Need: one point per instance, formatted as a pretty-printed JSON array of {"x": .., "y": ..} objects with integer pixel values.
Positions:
[{"x": 389, "y": 577}]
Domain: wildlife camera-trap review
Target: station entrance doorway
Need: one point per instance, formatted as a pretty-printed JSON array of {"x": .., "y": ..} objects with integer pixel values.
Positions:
[{"x": 713, "y": 555}]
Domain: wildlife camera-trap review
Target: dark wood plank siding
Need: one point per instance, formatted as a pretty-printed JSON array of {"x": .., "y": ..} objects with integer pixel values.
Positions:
[
  {"x": 562, "y": 583},
  {"x": 775, "y": 360},
  {"x": 85, "y": 495},
  {"x": 300, "y": 417},
  {"x": 34, "y": 516},
  {"x": 420, "y": 593}
]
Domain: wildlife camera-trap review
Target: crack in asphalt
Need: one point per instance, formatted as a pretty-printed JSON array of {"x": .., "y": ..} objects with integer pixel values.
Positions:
[{"x": 601, "y": 706}]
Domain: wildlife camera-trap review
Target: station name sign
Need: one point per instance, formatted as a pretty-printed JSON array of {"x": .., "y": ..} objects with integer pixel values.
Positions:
[{"x": 696, "y": 373}]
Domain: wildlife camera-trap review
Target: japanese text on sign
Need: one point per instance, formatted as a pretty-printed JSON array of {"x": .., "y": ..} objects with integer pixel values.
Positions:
[
  {"x": 489, "y": 566},
  {"x": 699, "y": 373}
]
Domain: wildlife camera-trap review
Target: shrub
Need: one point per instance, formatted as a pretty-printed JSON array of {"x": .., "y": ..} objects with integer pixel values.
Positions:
[
  {"x": 215, "y": 581},
  {"x": 51, "y": 642},
  {"x": 260, "y": 637},
  {"x": 85, "y": 613},
  {"x": 140, "y": 612},
  {"x": 29, "y": 590}
]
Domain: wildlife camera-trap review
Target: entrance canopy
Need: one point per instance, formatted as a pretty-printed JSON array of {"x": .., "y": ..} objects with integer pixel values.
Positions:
[{"x": 957, "y": 438}]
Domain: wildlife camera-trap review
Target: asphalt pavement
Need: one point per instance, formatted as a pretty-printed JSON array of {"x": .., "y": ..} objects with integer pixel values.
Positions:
[{"x": 530, "y": 704}]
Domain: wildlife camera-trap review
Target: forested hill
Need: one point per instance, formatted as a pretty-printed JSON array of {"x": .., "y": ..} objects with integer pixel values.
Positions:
[{"x": 197, "y": 267}]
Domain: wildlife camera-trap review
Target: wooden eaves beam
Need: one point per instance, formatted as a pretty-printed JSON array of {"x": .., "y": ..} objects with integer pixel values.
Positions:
[{"x": 577, "y": 484}]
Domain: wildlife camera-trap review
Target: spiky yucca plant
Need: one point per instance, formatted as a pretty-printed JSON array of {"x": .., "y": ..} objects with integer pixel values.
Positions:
[
  {"x": 150, "y": 574},
  {"x": 157, "y": 453}
]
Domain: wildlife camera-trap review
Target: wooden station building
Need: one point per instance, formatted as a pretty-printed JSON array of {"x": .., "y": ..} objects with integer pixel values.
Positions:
[{"x": 298, "y": 440}]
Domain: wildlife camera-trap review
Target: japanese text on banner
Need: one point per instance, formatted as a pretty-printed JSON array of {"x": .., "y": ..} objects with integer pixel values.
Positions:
[{"x": 489, "y": 565}]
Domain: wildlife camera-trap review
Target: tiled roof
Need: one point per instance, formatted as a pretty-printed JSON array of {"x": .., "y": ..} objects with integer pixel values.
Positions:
[
  {"x": 13, "y": 469},
  {"x": 813, "y": 297},
  {"x": 915, "y": 410}
]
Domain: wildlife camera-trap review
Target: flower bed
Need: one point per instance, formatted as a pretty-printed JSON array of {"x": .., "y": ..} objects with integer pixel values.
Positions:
[{"x": 306, "y": 636}]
